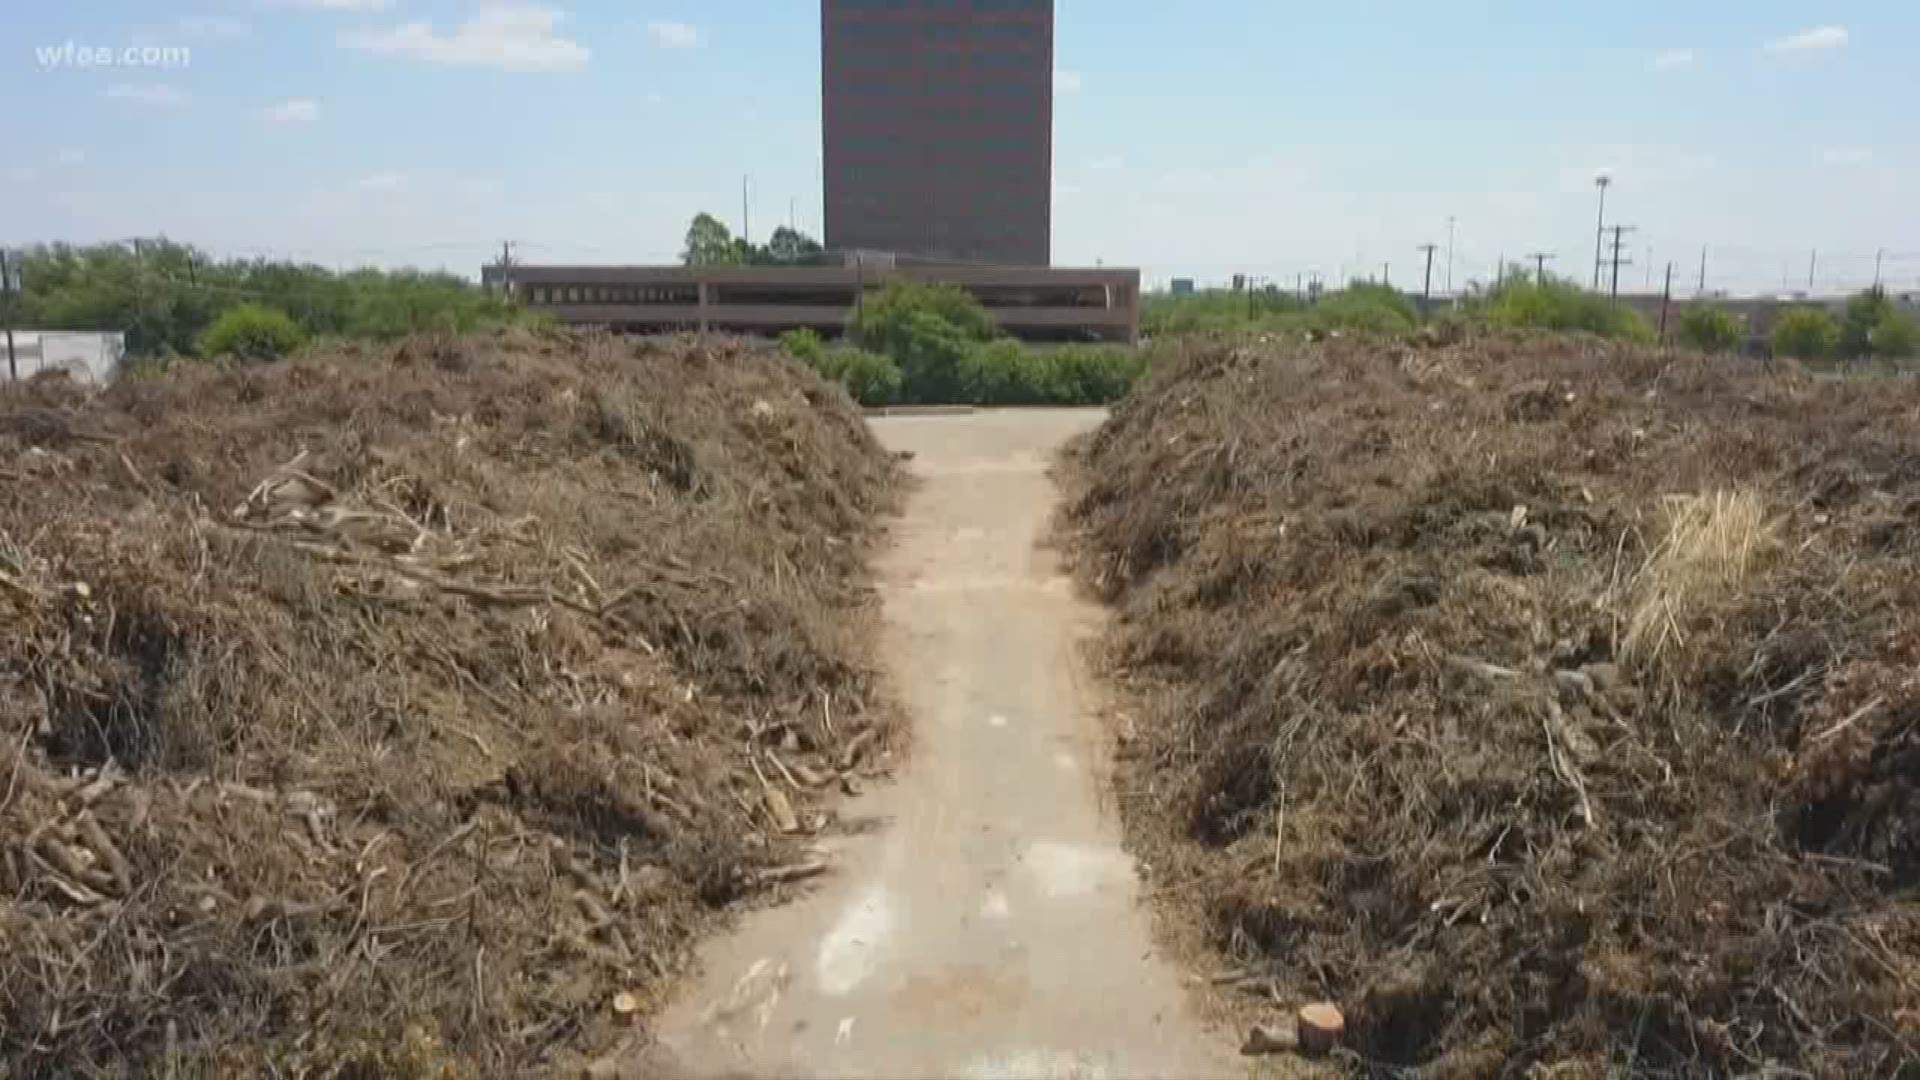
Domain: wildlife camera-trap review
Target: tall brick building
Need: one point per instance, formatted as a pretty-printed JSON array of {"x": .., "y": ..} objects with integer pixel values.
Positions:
[{"x": 938, "y": 117}]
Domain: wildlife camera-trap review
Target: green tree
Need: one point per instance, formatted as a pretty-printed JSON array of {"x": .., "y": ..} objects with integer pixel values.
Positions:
[
  {"x": 1563, "y": 306},
  {"x": 928, "y": 330},
  {"x": 788, "y": 247},
  {"x": 253, "y": 332},
  {"x": 166, "y": 296},
  {"x": 1806, "y": 333},
  {"x": 1864, "y": 313},
  {"x": 711, "y": 243},
  {"x": 1895, "y": 337},
  {"x": 1710, "y": 329}
]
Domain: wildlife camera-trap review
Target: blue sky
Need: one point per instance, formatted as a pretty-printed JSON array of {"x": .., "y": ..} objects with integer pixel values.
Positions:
[{"x": 1197, "y": 139}]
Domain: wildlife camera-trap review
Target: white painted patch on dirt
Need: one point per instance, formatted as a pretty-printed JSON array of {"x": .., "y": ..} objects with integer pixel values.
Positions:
[
  {"x": 995, "y": 906},
  {"x": 851, "y": 950},
  {"x": 1063, "y": 870},
  {"x": 996, "y": 720},
  {"x": 747, "y": 989},
  {"x": 1036, "y": 1065},
  {"x": 843, "y": 1034}
]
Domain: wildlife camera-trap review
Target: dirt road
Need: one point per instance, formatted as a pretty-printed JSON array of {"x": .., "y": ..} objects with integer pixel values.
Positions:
[{"x": 988, "y": 925}]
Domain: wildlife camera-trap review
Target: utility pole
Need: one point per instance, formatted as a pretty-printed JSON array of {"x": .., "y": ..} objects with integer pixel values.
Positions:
[
  {"x": 1386, "y": 274},
  {"x": 1666, "y": 298},
  {"x": 1450, "y": 221},
  {"x": 1603, "y": 182},
  {"x": 1879, "y": 260},
  {"x": 1813, "y": 261},
  {"x": 140, "y": 291},
  {"x": 1619, "y": 235},
  {"x": 746, "y": 212},
  {"x": 1426, "y": 291},
  {"x": 9, "y": 285},
  {"x": 1703, "y": 269},
  {"x": 1540, "y": 266},
  {"x": 506, "y": 269}
]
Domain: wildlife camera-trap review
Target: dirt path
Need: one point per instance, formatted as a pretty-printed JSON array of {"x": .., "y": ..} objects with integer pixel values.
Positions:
[{"x": 988, "y": 927}]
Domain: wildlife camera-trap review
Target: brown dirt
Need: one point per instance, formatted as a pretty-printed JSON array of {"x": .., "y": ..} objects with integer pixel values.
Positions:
[
  {"x": 389, "y": 711},
  {"x": 1377, "y": 602}
]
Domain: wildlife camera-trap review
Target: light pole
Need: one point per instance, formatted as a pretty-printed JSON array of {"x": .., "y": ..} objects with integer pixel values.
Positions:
[
  {"x": 1450, "y": 222},
  {"x": 1603, "y": 182}
]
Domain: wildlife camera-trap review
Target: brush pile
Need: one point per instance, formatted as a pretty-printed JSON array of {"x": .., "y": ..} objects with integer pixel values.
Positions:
[
  {"x": 406, "y": 711},
  {"x": 1553, "y": 706}
]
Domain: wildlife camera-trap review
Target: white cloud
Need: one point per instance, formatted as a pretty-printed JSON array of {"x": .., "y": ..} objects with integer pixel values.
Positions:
[
  {"x": 295, "y": 111},
  {"x": 157, "y": 95},
  {"x": 71, "y": 157},
  {"x": 673, "y": 35},
  {"x": 383, "y": 181},
  {"x": 1067, "y": 82},
  {"x": 1673, "y": 60},
  {"x": 508, "y": 36},
  {"x": 1846, "y": 156},
  {"x": 333, "y": 5},
  {"x": 1824, "y": 37}
]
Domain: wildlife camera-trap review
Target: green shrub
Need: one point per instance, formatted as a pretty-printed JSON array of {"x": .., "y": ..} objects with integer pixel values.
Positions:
[
  {"x": 871, "y": 378},
  {"x": 1215, "y": 310},
  {"x": 940, "y": 347},
  {"x": 1806, "y": 333},
  {"x": 252, "y": 332},
  {"x": 1710, "y": 329},
  {"x": 1562, "y": 306},
  {"x": 1864, "y": 313},
  {"x": 1091, "y": 374},
  {"x": 1361, "y": 306},
  {"x": 1895, "y": 337},
  {"x": 928, "y": 330},
  {"x": 1005, "y": 372},
  {"x": 805, "y": 345},
  {"x": 1374, "y": 308}
]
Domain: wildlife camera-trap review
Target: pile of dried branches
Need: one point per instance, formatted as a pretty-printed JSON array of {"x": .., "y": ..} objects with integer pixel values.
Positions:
[
  {"x": 1552, "y": 705},
  {"x": 406, "y": 711}
]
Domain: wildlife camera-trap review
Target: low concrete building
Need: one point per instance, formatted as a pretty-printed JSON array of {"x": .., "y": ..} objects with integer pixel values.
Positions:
[
  {"x": 1032, "y": 303},
  {"x": 85, "y": 355}
]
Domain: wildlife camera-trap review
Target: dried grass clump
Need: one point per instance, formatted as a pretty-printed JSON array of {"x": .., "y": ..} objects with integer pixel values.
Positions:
[
  {"x": 388, "y": 711},
  {"x": 1549, "y": 704},
  {"x": 1714, "y": 545}
]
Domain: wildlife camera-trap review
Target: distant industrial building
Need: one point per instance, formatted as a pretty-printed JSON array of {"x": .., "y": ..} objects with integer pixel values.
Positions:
[
  {"x": 89, "y": 356},
  {"x": 938, "y": 163},
  {"x": 938, "y": 123},
  {"x": 1032, "y": 303}
]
